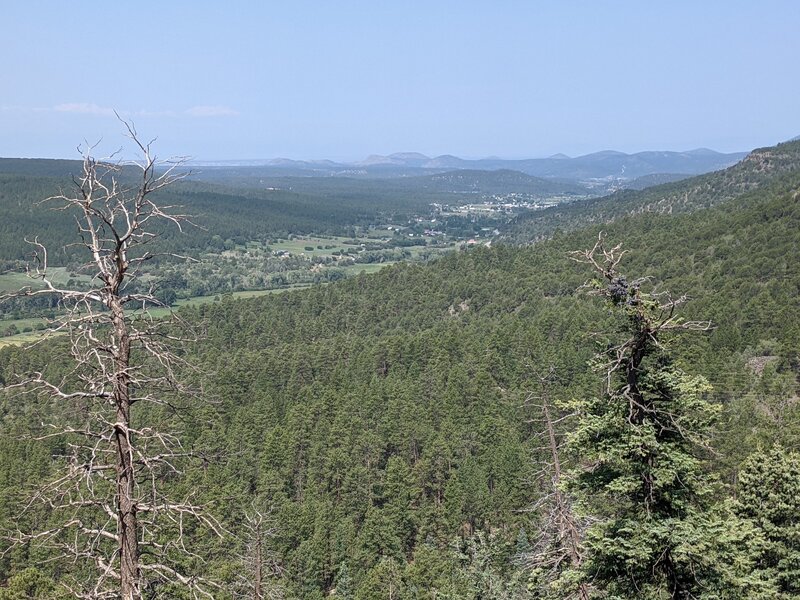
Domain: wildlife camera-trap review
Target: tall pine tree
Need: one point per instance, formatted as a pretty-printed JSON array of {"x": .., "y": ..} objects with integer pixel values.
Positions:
[{"x": 657, "y": 533}]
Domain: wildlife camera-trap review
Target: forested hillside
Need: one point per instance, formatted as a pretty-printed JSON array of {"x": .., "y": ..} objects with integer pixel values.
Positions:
[
  {"x": 391, "y": 425},
  {"x": 243, "y": 210},
  {"x": 40, "y": 167},
  {"x": 437, "y": 187},
  {"x": 219, "y": 212}
]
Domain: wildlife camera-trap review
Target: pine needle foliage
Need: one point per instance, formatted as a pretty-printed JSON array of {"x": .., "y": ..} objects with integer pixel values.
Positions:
[{"x": 658, "y": 533}]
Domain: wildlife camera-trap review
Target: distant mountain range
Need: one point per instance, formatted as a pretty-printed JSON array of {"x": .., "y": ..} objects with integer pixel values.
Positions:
[
  {"x": 762, "y": 167},
  {"x": 594, "y": 174},
  {"x": 597, "y": 167}
]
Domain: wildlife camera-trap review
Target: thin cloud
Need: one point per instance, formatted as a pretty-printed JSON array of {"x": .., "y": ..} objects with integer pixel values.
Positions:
[
  {"x": 90, "y": 108},
  {"x": 150, "y": 113},
  {"x": 211, "y": 111},
  {"x": 84, "y": 108}
]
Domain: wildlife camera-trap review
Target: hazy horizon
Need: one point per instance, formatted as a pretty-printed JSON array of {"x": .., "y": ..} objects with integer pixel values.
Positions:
[
  {"x": 469, "y": 158},
  {"x": 356, "y": 160},
  {"x": 317, "y": 81}
]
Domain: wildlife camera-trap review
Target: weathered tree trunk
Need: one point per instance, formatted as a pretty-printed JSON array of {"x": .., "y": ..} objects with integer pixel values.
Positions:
[
  {"x": 258, "y": 594},
  {"x": 127, "y": 527},
  {"x": 568, "y": 528}
]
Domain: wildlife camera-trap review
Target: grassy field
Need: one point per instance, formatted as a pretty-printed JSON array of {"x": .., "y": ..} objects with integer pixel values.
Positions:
[
  {"x": 198, "y": 300},
  {"x": 298, "y": 245},
  {"x": 58, "y": 275},
  {"x": 20, "y": 339},
  {"x": 366, "y": 268},
  {"x": 21, "y": 324}
]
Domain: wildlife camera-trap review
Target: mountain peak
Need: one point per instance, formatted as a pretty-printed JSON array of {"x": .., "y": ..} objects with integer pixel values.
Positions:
[
  {"x": 604, "y": 154},
  {"x": 702, "y": 152},
  {"x": 409, "y": 156},
  {"x": 401, "y": 159}
]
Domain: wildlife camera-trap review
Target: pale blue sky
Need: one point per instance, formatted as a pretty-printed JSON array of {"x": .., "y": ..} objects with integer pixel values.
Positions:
[{"x": 342, "y": 79}]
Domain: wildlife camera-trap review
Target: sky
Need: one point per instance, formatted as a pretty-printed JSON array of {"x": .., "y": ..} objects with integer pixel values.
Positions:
[{"x": 345, "y": 79}]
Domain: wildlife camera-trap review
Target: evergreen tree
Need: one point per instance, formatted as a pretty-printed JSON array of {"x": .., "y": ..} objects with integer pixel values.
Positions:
[
  {"x": 31, "y": 583},
  {"x": 657, "y": 534},
  {"x": 434, "y": 573},
  {"x": 523, "y": 545},
  {"x": 398, "y": 495},
  {"x": 344, "y": 583},
  {"x": 769, "y": 496},
  {"x": 382, "y": 582},
  {"x": 481, "y": 557}
]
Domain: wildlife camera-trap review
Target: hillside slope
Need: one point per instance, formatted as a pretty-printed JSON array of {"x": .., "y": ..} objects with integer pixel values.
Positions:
[
  {"x": 227, "y": 212},
  {"x": 503, "y": 181}
]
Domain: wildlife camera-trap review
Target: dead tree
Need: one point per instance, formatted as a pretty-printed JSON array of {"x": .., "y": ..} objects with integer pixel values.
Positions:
[
  {"x": 109, "y": 490},
  {"x": 261, "y": 565},
  {"x": 558, "y": 545},
  {"x": 649, "y": 313}
]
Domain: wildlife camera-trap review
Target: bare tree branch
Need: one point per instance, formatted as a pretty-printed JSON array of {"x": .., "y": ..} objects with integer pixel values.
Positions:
[
  {"x": 116, "y": 515},
  {"x": 559, "y": 543}
]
